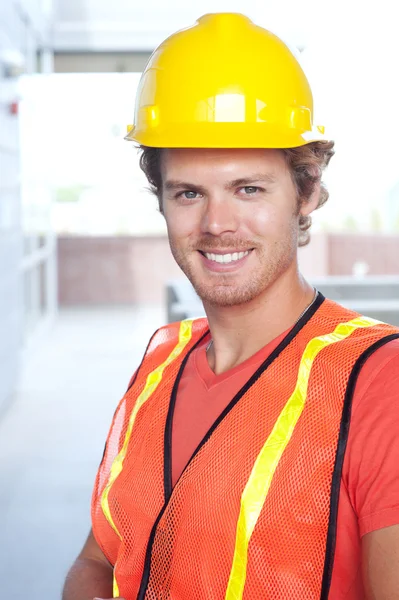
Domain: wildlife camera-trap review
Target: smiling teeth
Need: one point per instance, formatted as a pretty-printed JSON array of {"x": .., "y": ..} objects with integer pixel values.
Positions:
[{"x": 226, "y": 258}]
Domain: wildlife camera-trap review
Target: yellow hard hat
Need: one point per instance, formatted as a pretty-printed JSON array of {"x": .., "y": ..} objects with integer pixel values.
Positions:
[{"x": 224, "y": 83}]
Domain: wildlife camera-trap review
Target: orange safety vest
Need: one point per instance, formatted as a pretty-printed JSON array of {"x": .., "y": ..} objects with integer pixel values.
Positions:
[{"x": 254, "y": 513}]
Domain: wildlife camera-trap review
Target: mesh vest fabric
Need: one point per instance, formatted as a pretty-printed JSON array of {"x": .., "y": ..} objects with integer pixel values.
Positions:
[{"x": 253, "y": 514}]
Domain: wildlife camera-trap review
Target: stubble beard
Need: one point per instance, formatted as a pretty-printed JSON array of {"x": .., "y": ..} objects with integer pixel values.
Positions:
[{"x": 223, "y": 290}]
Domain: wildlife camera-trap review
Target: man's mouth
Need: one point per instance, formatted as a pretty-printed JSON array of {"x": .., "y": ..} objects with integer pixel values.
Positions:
[{"x": 228, "y": 257}]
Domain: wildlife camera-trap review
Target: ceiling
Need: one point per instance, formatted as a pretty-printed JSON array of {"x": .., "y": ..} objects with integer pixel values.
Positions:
[{"x": 124, "y": 26}]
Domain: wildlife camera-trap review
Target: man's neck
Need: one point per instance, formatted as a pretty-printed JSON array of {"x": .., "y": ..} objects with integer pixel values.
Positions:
[{"x": 238, "y": 332}]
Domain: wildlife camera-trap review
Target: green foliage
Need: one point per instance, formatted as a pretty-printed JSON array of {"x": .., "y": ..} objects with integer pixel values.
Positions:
[
  {"x": 376, "y": 220},
  {"x": 350, "y": 223},
  {"x": 70, "y": 193}
]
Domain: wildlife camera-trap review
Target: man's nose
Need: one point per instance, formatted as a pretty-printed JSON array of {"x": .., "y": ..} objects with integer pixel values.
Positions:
[{"x": 219, "y": 216}]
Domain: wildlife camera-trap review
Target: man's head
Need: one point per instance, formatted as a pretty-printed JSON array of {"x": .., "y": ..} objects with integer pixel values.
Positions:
[
  {"x": 211, "y": 99},
  {"x": 219, "y": 203}
]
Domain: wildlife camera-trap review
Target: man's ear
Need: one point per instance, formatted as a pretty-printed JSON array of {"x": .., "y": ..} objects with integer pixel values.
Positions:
[{"x": 308, "y": 206}]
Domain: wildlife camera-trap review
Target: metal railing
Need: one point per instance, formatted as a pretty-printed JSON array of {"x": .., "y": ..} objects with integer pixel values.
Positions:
[{"x": 374, "y": 296}]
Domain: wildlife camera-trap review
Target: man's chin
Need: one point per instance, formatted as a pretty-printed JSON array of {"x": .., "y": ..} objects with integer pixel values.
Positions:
[
  {"x": 223, "y": 293},
  {"x": 224, "y": 297}
]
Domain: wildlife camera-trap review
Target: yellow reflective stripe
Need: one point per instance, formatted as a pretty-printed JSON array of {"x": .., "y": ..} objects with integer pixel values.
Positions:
[
  {"x": 153, "y": 380},
  {"x": 115, "y": 593},
  {"x": 257, "y": 487}
]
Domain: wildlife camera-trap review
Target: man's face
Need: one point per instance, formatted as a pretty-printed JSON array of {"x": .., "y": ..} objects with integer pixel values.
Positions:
[{"x": 232, "y": 220}]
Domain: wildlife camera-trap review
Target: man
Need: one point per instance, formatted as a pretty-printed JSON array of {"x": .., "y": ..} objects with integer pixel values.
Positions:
[{"x": 255, "y": 453}]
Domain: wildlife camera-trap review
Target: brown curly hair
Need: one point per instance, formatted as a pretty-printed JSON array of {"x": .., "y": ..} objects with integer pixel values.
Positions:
[{"x": 306, "y": 164}]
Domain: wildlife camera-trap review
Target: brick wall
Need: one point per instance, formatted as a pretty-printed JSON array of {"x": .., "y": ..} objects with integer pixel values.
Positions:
[
  {"x": 122, "y": 270},
  {"x": 379, "y": 251}
]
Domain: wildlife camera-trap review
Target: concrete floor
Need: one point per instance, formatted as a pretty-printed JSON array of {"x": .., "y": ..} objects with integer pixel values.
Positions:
[{"x": 52, "y": 438}]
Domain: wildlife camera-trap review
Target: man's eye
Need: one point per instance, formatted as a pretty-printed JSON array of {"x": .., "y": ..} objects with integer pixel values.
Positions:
[
  {"x": 250, "y": 189},
  {"x": 189, "y": 195}
]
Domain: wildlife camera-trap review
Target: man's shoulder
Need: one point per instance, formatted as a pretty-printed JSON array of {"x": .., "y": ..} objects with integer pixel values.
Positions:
[
  {"x": 179, "y": 332},
  {"x": 379, "y": 377},
  {"x": 384, "y": 360}
]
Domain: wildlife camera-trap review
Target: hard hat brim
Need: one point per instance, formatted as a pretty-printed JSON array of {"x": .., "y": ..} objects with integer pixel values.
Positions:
[{"x": 224, "y": 135}]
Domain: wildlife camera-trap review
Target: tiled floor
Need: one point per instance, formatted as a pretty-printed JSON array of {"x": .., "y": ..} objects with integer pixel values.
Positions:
[{"x": 52, "y": 438}]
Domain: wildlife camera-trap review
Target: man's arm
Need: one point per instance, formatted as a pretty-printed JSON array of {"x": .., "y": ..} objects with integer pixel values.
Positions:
[
  {"x": 380, "y": 551},
  {"x": 91, "y": 574}
]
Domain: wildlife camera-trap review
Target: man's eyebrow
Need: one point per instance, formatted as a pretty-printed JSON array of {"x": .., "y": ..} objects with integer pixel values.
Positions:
[
  {"x": 174, "y": 184},
  {"x": 251, "y": 179}
]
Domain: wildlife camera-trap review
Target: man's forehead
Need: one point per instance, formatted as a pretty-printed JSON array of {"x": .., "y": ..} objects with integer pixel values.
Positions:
[{"x": 230, "y": 162}]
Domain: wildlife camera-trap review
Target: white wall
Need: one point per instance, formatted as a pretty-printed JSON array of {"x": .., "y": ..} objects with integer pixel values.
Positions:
[
  {"x": 23, "y": 31},
  {"x": 100, "y": 62}
]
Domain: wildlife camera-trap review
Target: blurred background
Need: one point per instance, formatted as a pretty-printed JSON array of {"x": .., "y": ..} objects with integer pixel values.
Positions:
[{"x": 85, "y": 269}]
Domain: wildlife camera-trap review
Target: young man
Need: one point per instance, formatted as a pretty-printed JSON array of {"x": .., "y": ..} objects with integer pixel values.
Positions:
[{"x": 255, "y": 453}]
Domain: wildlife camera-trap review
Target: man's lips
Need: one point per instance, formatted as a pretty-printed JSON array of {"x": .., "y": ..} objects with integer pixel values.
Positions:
[
  {"x": 224, "y": 250},
  {"x": 225, "y": 260}
]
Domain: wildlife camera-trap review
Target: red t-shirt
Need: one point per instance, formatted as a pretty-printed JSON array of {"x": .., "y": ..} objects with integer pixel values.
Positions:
[{"x": 369, "y": 494}]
